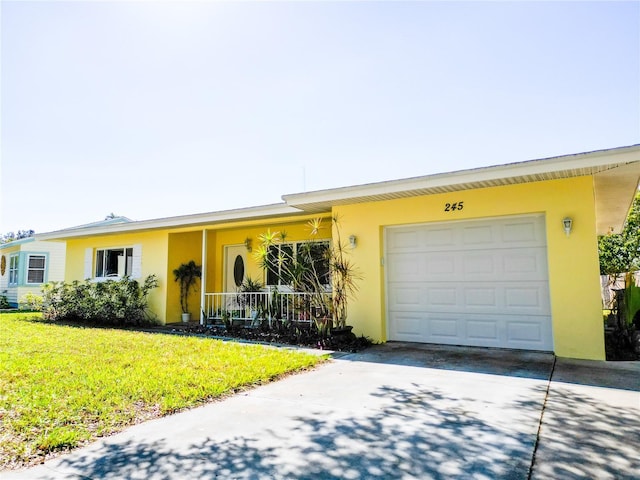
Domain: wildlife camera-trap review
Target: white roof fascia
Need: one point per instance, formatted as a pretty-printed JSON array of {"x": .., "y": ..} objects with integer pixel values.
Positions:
[
  {"x": 279, "y": 209},
  {"x": 573, "y": 165},
  {"x": 20, "y": 241},
  {"x": 110, "y": 221}
]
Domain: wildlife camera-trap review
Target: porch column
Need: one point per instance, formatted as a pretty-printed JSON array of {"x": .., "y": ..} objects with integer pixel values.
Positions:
[{"x": 203, "y": 279}]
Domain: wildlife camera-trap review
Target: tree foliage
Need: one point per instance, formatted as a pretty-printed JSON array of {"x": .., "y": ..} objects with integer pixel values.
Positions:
[
  {"x": 620, "y": 253},
  {"x": 13, "y": 236}
]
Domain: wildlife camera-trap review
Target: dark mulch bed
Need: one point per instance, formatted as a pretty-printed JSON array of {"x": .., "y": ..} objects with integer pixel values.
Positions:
[
  {"x": 300, "y": 337},
  {"x": 621, "y": 345}
]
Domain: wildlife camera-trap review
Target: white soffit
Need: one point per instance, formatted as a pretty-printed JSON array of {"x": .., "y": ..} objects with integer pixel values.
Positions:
[
  {"x": 591, "y": 163},
  {"x": 614, "y": 191}
]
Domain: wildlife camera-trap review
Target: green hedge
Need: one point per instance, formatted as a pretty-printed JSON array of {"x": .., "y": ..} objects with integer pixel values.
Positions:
[
  {"x": 632, "y": 302},
  {"x": 112, "y": 302}
]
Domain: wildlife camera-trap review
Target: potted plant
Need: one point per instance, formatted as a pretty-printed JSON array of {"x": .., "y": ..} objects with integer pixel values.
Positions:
[
  {"x": 344, "y": 278},
  {"x": 187, "y": 275}
]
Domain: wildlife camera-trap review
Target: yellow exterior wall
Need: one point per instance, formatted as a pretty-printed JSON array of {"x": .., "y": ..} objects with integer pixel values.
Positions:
[
  {"x": 164, "y": 250},
  {"x": 297, "y": 230},
  {"x": 154, "y": 260},
  {"x": 573, "y": 261},
  {"x": 182, "y": 248}
]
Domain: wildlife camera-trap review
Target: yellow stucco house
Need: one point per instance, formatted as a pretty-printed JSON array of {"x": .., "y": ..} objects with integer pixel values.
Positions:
[{"x": 503, "y": 256}]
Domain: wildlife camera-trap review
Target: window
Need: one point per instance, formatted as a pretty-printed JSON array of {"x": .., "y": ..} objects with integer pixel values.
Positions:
[
  {"x": 13, "y": 270},
  {"x": 36, "y": 268},
  {"x": 114, "y": 262},
  {"x": 280, "y": 261}
]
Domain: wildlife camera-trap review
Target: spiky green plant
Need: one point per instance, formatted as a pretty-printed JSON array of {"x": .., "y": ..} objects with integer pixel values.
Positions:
[{"x": 187, "y": 276}]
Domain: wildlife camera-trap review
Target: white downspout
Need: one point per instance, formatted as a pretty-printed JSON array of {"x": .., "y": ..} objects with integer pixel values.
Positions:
[{"x": 203, "y": 279}]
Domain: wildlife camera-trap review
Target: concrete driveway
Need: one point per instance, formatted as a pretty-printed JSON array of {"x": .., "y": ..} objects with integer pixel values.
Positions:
[{"x": 393, "y": 411}]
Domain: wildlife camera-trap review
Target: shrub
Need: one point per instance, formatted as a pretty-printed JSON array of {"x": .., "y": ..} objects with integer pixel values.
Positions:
[
  {"x": 31, "y": 301},
  {"x": 4, "y": 302},
  {"x": 113, "y": 302}
]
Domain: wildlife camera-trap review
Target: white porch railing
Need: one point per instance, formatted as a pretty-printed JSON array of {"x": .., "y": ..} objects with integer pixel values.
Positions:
[{"x": 252, "y": 308}]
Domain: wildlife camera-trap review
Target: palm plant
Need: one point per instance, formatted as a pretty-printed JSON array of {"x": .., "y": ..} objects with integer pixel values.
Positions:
[
  {"x": 344, "y": 277},
  {"x": 301, "y": 271},
  {"x": 187, "y": 275}
]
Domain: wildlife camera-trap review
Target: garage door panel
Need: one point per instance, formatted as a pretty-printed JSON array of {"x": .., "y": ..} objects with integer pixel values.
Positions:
[
  {"x": 438, "y": 238},
  {"x": 485, "y": 330},
  {"x": 443, "y": 328},
  {"x": 479, "y": 236},
  {"x": 482, "y": 297},
  {"x": 520, "y": 232},
  {"x": 527, "y": 297},
  {"x": 525, "y": 264},
  {"x": 446, "y": 297},
  {"x": 483, "y": 265},
  {"x": 405, "y": 267},
  {"x": 499, "y": 233},
  {"x": 404, "y": 240},
  {"x": 529, "y": 333},
  {"x": 409, "y": 327},
  {"x": 479, "y": 264},
  {"x": 481, "y": 283},
  {"x": 438, "y": 265},
  {"x": 523, "y": 331},
  {"x": 408, "y": 296},
  {"x": 495, "y": 299}
]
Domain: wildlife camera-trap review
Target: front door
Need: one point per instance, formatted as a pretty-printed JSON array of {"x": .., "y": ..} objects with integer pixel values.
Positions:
[{"x": 235, "y": 267}]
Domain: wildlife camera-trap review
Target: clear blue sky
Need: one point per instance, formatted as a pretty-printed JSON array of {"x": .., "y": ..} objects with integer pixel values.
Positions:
[{"x": 155, "y": 109}]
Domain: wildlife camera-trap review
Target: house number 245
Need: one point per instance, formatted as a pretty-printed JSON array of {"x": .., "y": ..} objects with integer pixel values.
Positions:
[{"x": 451, "y": 207}]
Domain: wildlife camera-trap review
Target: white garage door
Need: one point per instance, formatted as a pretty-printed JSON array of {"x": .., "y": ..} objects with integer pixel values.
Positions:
[{"x": 481, "y": 283}]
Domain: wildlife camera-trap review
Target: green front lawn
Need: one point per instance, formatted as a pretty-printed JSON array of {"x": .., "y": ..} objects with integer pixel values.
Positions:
[{"x": 62, "y": 386}]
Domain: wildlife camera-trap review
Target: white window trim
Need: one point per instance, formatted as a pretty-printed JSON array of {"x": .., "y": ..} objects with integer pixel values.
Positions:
[
  {"x": 112, "y": 277},
  {"x": 28, "y": 268},
  {"x": 91, "y": 255},
  {"x": 15, "y": 269}
]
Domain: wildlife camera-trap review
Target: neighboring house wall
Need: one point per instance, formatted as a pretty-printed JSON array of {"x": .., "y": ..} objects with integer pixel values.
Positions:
[
  {"x": 22, "y": 250},
  {"x": 572, "y": 261}
]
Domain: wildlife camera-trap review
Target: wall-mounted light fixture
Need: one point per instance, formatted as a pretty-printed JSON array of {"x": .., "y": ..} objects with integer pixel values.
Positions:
[
  {"x": 353, "y": 241},
  {"x": 567, "y": 223},
  {"x": 248, "y": 242}
]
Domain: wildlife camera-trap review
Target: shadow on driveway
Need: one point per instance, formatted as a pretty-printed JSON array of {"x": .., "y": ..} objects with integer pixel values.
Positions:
[
  {"x": 591, "y": 422},
  {"x": 421, "y": 433},
  {"x": 393, "y": 411}
]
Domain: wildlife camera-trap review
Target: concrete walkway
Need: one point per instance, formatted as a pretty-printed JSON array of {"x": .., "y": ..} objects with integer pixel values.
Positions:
[
  {"x": 393, "y": 411},
  {"x": 591, "y": 423}
]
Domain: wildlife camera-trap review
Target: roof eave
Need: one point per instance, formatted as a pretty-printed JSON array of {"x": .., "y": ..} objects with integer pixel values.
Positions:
[
  {"x": 520, "y": 172},
  {"x": 194, "y": 220}
]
